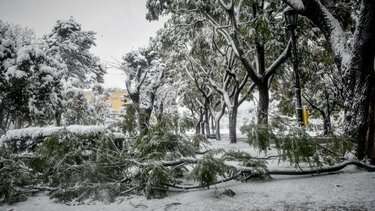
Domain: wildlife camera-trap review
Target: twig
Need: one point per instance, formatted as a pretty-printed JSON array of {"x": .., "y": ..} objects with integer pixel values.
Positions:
[
  {"x": 129, "y": 190},
  {"x": 171, "y": 204},
  {"x": 137, "y": 205},
  {"x": 202, "y": 153},
  {"x": 266, "y": 158}
]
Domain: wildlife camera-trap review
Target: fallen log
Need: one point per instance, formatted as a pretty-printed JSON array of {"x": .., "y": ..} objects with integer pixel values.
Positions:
[
  {"x": 322, "y": 170},
  {"x": 242, "y": 170}
]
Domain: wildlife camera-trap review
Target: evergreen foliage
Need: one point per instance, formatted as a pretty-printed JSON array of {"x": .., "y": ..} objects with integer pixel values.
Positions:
[
  {"x": 15, "y": 176},
  {"x": 297, "y": 146},
  {"x": 162, "y": 142},
  {"x": 155, "y": 178},
  {"x": 208, "y": 170},
  {"x": 128, "y": 124}
]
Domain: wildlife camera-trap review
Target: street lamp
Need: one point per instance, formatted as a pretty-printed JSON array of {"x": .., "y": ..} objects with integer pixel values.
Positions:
[{"x": 291, "y": 19}]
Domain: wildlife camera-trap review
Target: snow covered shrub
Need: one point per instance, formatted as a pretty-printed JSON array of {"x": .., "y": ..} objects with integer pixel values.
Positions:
[
  {"x": 15, "y": 177},
  {"x": 27, "y": 139}
]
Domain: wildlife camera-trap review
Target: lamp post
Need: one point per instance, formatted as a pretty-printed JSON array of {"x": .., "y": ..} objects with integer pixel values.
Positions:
[{"x": 291, "y": 19}]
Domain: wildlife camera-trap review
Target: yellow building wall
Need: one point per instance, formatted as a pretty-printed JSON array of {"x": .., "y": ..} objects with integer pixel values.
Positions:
[{"x": 114, "y": 99}]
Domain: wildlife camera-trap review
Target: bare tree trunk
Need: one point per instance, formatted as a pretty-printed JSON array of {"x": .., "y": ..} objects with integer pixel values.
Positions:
[
  {"x": 371, "y": 130},
  {"x": 144, "y": 120},
  {"x": 199, "y": 125},
  {"x": 326, "y": 123},
  {"x": 2, "y": 128},
  {"x": 358, "y": 80},
  {"x": 233, "y": 124},
  {"x": 217, "y": 129},
  {"x": 217, "y": 122},
  {"x": 198, "y": 128},
  {"x": 207, "y": 121},
  {"x": 263, "y": 105},
  {"x": 202, "y": 122}
]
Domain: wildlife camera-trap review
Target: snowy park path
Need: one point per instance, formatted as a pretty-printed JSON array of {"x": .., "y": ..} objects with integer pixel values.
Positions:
[{"x": 351, "y": 189}]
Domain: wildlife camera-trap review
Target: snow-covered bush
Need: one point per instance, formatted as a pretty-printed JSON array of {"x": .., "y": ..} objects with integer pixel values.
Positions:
[
  {"x": 29, "y": 79},
  {"x": 15, "y": 177},
  {"x": 27, "y": 139}
]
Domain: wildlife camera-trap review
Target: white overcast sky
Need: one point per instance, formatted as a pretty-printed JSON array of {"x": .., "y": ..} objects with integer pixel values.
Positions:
[{"x": 120, "y": 24}]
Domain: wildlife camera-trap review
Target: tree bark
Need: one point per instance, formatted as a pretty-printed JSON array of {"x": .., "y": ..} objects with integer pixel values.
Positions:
[
  {"x": 371, "y": 130},
  {"x": 233, "y": 124},
  {"x": 358, "y": 79},
  {"x": 262, "y": 112},
  {"x": 144, "y": 120},
  {"x": 198, "y": 128},
  {"x": 217, "y": 129},
  {"x": 217, "y": 122},
  {"x": 212, "y": 124},
  {"x": 207, "y": 121},
  {"x": 2, "y": 125},
  {"x": 326, "y": 123}
]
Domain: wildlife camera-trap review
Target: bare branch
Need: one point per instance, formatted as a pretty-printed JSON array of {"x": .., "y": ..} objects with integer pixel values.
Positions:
[
  {"x": 249, "y": 91},
  {"x": 280, "y": 60}
]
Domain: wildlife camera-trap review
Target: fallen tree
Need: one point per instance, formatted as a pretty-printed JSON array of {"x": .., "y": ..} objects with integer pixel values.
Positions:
[{"x": 70, "y": 169}]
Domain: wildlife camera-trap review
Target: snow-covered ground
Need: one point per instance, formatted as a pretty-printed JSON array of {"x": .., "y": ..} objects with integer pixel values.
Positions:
[{"x": 350, "y": 189}]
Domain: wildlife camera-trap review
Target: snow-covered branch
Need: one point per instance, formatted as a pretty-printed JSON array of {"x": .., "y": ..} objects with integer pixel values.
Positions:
[
  {"x": 329, "y": 25},
  {"x": 296, "y": 5}
]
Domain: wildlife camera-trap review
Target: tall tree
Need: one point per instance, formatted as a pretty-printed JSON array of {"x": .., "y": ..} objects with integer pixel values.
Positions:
[
  {"x": 29, "y": 79},
  {"x": 70, "y": 45},
  {"x": 356, "y": 61},
  {"x": 247, "y": 33},
  {"x": 144, "y": 73}
]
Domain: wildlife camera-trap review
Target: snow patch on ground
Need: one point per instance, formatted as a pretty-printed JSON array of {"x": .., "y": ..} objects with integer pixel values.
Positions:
[{"x": 350, "y": 189}]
